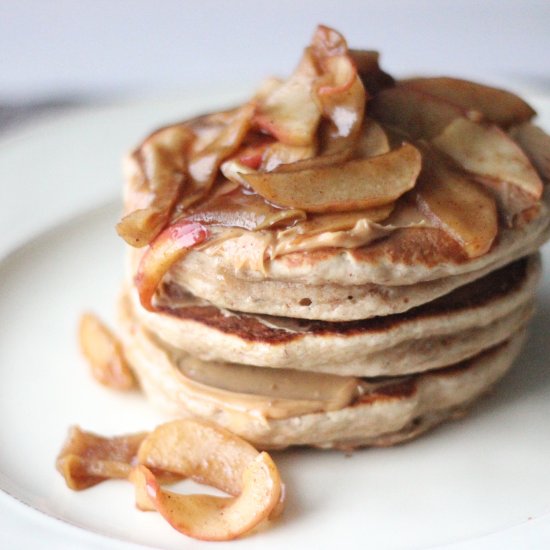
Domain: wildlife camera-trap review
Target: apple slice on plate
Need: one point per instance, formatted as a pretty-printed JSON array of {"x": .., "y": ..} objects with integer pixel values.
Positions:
[
  {"x": 352, "y": 185},
  {"x": 498, "y": 106}
]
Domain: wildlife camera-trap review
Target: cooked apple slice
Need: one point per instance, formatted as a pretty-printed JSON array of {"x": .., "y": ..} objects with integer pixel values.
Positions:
[
  {"x": 373, "y": 77},
  {"x": 243, "y": 209},
  {"x": 104, "y": 354},
  {"x": 169, "y": 247},
  {"x": 373, "y": 140},
  {"x": 498, "y": 106},
  {"x": 181, "y": 446},
  {"x": 87, "y": 459},
  {"x": 535, "y": 143},
  {"x": 457, "y": 204},
  {"x": 341, "y": 95},
  {"x": 211, "y": 518},
  {"x": 416, "y": 113},
  {"x": 161, "y": 171},
  {"x": 492, "y": 156},
  {"x": 216, "y": 457},
  {"x": 353, "y": 185},
  {"x": 216, "y": 140},
  {"x": 288, "y": 111}
]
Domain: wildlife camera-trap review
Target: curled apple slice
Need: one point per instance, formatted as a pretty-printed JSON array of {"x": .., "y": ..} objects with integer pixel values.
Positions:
[
  {"x": 160, "y": 175},
  {"x": 498, "y": 106},
  {"x": 287, "y": 110},
  {"x": 87, "y": 459},
  {"x": 217, "y": 139},
  {"x": 243, "y": 209},
  {"x": 199, "y": 450},
  {"x": 169, "y": 247},
  {"x": 211, "y": 518},
  {"x": 216, "y": 457},
  {"x": 104, "y": 354},
  {"x": 353, "y": 185}
]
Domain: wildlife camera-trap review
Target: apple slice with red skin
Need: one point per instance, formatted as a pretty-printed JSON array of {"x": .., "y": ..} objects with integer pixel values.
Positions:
[
  {"x": 212, "y": 455},
  {"x": 212, "y": 518},
  {"x": 417, "y": 114},
  {"x": 462, "y": 207},
  {"x": 169, "y": 247},
  {"x": 352, "y": 185},
  {"x": 498, "y": 106},
  {"x": 494, "y": 158}
]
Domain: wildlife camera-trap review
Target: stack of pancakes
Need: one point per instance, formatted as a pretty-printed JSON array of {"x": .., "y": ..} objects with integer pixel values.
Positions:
[{"x": 361, "y": 334}]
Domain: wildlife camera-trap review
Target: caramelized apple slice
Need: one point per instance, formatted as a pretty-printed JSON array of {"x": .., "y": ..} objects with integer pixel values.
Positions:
[
  {"x": 243, "y": 209},
  {"x": 324, "y": 83},
  {"x": 207, "y": 517},
  {"x": 216, "y": 457},
  {"x": 161, "y": 165},
  {"x": 287, "y": 111},
  {"x": 417, "y": 114},
  {"x": 354, "y": 185},
  {"x": 339, "y": 91},
  {"x": 87, "y": 459},
  {"x": 169, "y": 247},
  {"x": 372, "y": 142},
  {"x": 216, "y": 141},
  {"x": 104, "y": 354},
  {"x": 492, "y": 156},
  {"x": 498, "y": 106},
  {"x": 199, "y": 450},
  {"x": 457, "y": 204}
]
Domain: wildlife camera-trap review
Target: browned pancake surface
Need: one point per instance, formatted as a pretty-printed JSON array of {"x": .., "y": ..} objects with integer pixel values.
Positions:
[{"x": 480, "y": 292}]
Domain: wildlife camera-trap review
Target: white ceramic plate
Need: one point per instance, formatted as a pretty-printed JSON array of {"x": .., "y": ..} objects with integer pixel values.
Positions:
[{"x": 482, "y": 482}]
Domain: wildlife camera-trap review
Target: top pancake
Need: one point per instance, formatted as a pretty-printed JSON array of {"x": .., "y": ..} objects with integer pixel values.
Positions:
[{"x": 405, "y": 257}]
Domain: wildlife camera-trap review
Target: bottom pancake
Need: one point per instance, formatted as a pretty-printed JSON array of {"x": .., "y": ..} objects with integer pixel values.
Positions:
[{"x": 337, "y": 411}]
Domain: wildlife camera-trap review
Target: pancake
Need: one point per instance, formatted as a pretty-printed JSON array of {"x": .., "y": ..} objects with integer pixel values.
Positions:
[
  {"x": 375, "y": 411},
  {"x": 327, "y": 302},
  {"x": 404, "y": 258},
  {"x": 450, "y": 329},
  {"x": 344, "y": 260}
]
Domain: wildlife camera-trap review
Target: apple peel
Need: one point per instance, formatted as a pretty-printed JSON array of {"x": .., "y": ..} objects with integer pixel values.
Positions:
[{"x": 169, "y": 247}]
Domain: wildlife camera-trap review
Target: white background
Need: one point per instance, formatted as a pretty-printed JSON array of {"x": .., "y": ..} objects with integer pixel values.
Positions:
[{"x": 97, "y": 48}]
